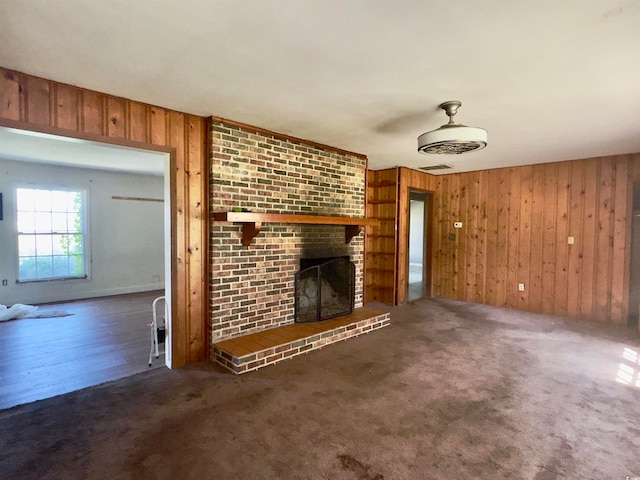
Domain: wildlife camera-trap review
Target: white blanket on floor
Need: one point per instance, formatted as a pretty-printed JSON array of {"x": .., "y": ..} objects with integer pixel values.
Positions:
[{"x": 27, "y": 311}]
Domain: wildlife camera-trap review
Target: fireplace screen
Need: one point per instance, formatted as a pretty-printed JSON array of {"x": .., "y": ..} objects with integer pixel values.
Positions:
[{"x": 325, "y": 291}]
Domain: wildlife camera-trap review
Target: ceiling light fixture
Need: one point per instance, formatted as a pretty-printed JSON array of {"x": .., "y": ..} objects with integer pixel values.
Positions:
[{"x": 452, "y": 138}]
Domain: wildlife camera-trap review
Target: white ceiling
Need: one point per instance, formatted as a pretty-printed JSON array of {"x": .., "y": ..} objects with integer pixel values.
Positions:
[{"x": 550, "y": 79}]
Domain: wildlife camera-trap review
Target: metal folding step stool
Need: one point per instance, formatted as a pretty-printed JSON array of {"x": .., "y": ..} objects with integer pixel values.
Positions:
[{"x": 158, "y": 328}]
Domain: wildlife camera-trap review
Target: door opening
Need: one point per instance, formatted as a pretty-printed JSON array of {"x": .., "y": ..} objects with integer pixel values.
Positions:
[
  {"x": 418, "y": 259},
  {"x": 125, "y": 186}
]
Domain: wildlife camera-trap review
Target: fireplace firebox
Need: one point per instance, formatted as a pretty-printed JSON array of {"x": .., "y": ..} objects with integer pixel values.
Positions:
[{"x": 324, "y": 288}]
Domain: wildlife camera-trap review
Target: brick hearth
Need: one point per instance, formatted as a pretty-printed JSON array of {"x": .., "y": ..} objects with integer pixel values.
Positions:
[{"x": 250, "y": 352}]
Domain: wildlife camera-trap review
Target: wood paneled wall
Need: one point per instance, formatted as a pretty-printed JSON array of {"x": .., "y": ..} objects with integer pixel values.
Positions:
[
  {"x": 32, "y": 103},
  {"x": 516, "y": 224}
]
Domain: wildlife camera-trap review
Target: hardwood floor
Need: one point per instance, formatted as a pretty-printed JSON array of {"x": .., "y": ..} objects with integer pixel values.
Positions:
[{"x": 105, "y": 339}]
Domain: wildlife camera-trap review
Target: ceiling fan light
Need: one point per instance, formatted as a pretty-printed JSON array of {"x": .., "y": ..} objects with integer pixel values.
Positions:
[{"x": 452, "y": 138}]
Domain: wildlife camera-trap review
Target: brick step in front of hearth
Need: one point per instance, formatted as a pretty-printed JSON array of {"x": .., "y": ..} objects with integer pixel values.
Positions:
[{"x": 257, "y": 350}]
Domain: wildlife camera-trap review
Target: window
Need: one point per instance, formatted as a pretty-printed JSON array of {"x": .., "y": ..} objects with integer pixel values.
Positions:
[{"x": 51, "y": 234}]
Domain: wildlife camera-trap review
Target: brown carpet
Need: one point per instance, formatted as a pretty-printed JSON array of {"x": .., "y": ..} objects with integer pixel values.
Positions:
[{"x": 449, "y": 391}]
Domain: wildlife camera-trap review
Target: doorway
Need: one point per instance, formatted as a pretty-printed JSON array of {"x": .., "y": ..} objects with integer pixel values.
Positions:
[
  {"x": 419, "y": 258},
  {"x": 128, "y": 194}
]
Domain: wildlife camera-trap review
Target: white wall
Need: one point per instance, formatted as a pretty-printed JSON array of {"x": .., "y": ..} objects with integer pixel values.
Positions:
[{"x": 126, "y": 237}]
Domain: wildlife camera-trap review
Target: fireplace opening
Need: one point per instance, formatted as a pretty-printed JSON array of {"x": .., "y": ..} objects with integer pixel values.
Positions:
[{"x": 324, "y": 288}]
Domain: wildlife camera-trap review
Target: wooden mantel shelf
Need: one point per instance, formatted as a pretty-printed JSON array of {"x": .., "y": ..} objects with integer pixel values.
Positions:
[{"x": 252, "y": 222}]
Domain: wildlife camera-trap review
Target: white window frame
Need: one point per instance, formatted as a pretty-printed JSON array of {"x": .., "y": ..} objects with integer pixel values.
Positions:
[{"x": 85, "y": 233}]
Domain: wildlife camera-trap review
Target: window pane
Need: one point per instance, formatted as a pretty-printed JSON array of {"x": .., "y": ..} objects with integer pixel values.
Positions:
[
  {"x": 26, "y": 245},
  {"x": 43, "y": 200},
  {"x": 60, "y": 244},
  {"x": 43, "y": 245},
  {"x": 75, "y": 244},
  {"x": 27, "y": 268},
  {"x": 26, "y": 199},
  {"x": 26, "y": 222},
  {"x": 44, "y": 266},
  {"x": 74, "y": 202},
  {"x": 74, "y": 222},
  {"x": 59, "y": 222},
  {"x": 76, "y": 265},
  {"x": 58, "y": 201},
  {"x": 43, "y": 222},
  {"x": 61, "y": 266}
]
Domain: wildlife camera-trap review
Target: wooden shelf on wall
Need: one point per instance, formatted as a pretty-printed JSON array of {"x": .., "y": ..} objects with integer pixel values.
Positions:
[{"x": 252, "y": 222}]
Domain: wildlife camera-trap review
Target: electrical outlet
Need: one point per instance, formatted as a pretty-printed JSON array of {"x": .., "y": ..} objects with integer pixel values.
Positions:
[
  {"x": 457, "y": 224},
  {"x": 5, "y": 282},
  {"x": 521, "y": 287}
]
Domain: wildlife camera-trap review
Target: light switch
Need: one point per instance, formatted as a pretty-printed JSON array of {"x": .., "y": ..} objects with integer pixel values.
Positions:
[
  {"x": 570, "y": 240},
  {"x": 457, "y": 224}
]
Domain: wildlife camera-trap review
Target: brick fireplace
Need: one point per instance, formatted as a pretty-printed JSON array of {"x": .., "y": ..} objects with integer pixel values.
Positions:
[{"x": 252, "y": 286}]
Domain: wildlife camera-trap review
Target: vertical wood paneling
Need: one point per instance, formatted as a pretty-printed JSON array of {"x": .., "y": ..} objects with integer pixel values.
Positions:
[
  {"x": 491, "y": 265},
  {"x": 513, "y": 252},
  {"x": 444, "y": 229},
  {"x": 457, "y": 280},
  {"x": 471, "y": 234},
  {"x": 38, "y": 101},
  {"x": 442, "y": 240},
  {"x": 439, "y": 237},
  {"x": 66, "y": 107},
  {"x": 536, "y": 233},
  {"x": 461, "y": 256},
  {"x": 587, "y": 241},
  {"x": 621, "y": 255},
  {"x": 176, "y": 131},
  {"x": 138, "y": 123},
  {"x": 42, "y": 105},
  {"x": 481, "y": 249},
  {"x": 576, "y": 218},
  {"x": 524, "y": 235},
  {"x": 158, "y": 126},
  {"x": 560, "y": 262},
  {"x": 196, "y": 238},
  {"x": 116, "y": 115},
  {"x": 549, "y": 237},
  {"x": 604, "y": 242},
  {"x": 502, "y": 243},
  {"x": 9, "y": 95},
  {"x": 93, "y": 114},
  {"x": 402, "y": 251}
]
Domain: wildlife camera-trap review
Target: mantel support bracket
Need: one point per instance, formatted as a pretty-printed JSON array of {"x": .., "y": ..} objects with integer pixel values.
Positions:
[
  {"x": 351, "y": 231},
  {"x": 249, "y": 232}
]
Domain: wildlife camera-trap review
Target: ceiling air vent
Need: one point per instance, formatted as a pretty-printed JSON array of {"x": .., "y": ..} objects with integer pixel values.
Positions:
[{"x": 442, "y": 166}]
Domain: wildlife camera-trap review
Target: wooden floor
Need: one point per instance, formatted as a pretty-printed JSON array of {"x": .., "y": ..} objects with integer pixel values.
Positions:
[{"x": 105, "y": 339}]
